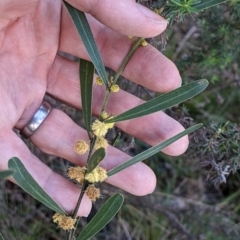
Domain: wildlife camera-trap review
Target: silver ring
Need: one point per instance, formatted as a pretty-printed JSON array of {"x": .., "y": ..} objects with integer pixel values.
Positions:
[{"x": 36, "y": 120}]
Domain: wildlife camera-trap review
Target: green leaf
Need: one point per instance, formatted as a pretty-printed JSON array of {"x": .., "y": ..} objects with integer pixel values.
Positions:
[
  {"x": 84, "y": 30},
  {"x": 104, "y": 215},
  {"x": 86, "y": 73},
  {"x": 207, "y": 4},
  {"x": 163, "y": 101},
  {"x": 5, "y": 174},
  {"x": 1, "y": 237},
  {"x": 95, "y": 159},
  {"x": 28, "y": 184},
  {"x": 153, "y": 150}
]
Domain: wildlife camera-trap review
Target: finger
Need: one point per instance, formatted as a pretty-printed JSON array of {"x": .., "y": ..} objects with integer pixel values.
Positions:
[
  {"x": 57, "y": 136},
  {"x": 146, "y": 67},
  {"x": 11, "y": 10},
  {"x": 125, "y": 16},
  {"x": 152, "y": 129},
  {"x": 61, "y": 190}
]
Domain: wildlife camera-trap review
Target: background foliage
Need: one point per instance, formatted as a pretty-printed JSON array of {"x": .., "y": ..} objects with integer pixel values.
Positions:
[{"x": 191, "y": 200}]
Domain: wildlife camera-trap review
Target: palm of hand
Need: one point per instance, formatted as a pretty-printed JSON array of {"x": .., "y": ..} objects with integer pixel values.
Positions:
[{"x": 28, "y": 50}]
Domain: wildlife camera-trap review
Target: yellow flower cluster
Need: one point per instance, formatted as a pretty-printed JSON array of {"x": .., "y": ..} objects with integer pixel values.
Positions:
[
  {"x": 100, "y": 128},
  {"x": 81, "y": 147},
  {"x": 77, "y": 173},
  {"x": 64, "y": 222},
  {"x": 98, "y": 174},
  {"x": 93, "y": 193}
]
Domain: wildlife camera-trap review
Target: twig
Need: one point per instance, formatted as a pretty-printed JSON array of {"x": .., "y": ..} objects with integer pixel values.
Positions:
[{"x": 183, "y": 41}]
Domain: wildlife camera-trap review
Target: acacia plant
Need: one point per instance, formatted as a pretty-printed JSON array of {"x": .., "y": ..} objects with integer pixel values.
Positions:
[{"x": 90, "y": 174}]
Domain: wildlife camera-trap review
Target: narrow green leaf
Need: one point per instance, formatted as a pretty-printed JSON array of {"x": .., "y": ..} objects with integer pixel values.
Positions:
[
  {"x": 163, "y": 101},
  {"x": 95, "y": 159},
  {"x": 153, "y": 150},
  {"x": 104, "y": 215},
  {"x": 84, "y": 30},
  {"x": 86, "y": 73},
  {"x": 28, "y": 184},
  {"x": 1, "y": 237},
  {"x": 5, "y": 174},
  {"x": 207, "y": 4}
]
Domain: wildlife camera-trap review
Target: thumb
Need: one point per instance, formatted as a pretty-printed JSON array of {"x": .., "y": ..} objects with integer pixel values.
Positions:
[{"x": 124, "y": 16}]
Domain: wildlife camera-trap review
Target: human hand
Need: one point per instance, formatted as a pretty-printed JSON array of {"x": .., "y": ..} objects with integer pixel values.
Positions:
[{"x": 30, "y": 37}]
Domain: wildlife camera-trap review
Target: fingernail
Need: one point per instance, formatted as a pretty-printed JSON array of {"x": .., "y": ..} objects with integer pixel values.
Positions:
[
  {"x": 180, "y": 82},
  {"x": 152, "y": 15}
]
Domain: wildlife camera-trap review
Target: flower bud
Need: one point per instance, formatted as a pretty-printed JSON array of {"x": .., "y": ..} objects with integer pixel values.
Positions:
[
  {"x": 99, "y": 81},
  {"x": 144, "y": 43},
  {"x": 114, "y": 88}
]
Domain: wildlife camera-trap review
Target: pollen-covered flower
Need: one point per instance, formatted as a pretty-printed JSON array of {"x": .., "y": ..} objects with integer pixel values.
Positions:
[
  {"x": 98, "y": 174},
  {"x": 114, "y": 88},
  {"x": 81, "y": 147},
  {"x": 101, "y": 142},
  {"x": 144, "y": 43},
  {"x": 99, "y": 81},
  {"x": 77, "y": 173},
  {"x": 102, "y": 174},
  {"x": 93, "y": 176},
  {"x": 99, "y": 128},
  {"x": 93, "y": 193},
  {"x": 63, "y": 221}
]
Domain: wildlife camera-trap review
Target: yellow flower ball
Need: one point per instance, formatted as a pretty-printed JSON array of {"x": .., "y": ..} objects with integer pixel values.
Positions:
[
  {"x": 102, "y": 174},
  {"x": 101, "y": 142},
  {"x": 99, "y": 128},
  {"x": 81, "y": 147},
  {"x": 77, "y": 173},
  {"x": 98, "y": 174},
  {"x": 93, "y": 176},
  {"x": 64, "y": 222},
  {"x": 92, "y": 192}
]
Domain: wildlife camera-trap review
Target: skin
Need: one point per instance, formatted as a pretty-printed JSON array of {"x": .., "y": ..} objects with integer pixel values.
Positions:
[{"x": 31, "y": 33}]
